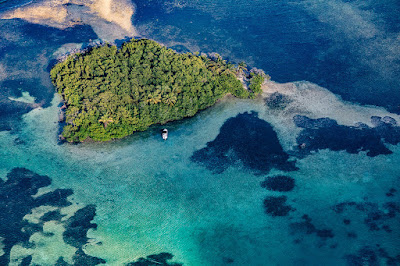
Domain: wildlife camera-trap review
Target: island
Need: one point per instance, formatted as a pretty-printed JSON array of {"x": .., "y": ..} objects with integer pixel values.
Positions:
[{"x": 111, "y": 92}]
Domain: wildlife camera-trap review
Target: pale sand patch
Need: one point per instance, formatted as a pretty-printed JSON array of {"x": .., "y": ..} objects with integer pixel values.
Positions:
[
  {"x": 38, "y": 13},
  {"x": 42, "y": 191},
  {"x": 17, "y": 254},
  {"x": 311, "y": 100},
  {"x": 36, "y": 213},
  {"x": 25, "y": 98},
  {"x": 47, "y": 248},
  {"x": 314, "y": 101},
  {"x": 49, "y": 245},
  {"x": 67, "y": 13},
  {"x": 119, "y": 12}
]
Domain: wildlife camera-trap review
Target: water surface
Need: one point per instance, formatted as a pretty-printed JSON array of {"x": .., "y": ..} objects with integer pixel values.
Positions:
[{"x": 256, "y": 182}]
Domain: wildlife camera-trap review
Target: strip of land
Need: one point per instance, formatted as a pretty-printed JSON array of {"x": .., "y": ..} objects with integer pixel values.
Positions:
[{"x": 109, "y": 93}]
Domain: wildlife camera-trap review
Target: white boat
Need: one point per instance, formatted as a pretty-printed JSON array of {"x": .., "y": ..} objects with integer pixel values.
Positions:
[{"x": 164, "y": 134}]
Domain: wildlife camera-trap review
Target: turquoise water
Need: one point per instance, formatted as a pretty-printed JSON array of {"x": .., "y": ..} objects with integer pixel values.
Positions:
[
  {"x": 151, "y": 198},
  {"x": 199, "y": 195}
]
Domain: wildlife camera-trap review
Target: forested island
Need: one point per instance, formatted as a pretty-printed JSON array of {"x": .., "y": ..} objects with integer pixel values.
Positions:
[{"x": 110, "y": 93}]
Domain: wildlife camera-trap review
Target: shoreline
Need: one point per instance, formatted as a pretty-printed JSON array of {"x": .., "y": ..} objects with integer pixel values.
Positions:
[{"x": 173, "y": 86}]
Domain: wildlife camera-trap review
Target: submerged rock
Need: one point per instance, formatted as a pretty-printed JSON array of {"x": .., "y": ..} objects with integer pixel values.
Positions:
[
  {"x": 389, "y": 120},
  {"x": 375, "y": 215},
  {"x": 246, "y": 139},
  {"x": 278, "y": 183},
  {"x": 155, "y": 260},
  {"x": 17, "y": 200},
  {"x": 365, "y": 256},
  {"x": 277, "y": 101},
  {"x": 78, "y": 225},
  {"x": 307, "y": 228},
  {"x": 325, "y": 133},
  {"x": 276, "y": 206}
]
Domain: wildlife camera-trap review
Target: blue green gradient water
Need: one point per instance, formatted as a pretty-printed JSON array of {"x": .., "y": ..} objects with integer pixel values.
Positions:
[{"x": 151, "y": 197}]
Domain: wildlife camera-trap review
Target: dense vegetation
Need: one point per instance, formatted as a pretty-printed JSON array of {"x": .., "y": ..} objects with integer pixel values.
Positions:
[{"x": 110, "y": 93}]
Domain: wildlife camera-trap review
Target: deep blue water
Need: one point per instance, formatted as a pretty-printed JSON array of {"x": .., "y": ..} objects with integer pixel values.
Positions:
[
  {"x": 9, "y": 4},
  {"x": 28, "y": 59},
  {"x": 349, "y": 47}
]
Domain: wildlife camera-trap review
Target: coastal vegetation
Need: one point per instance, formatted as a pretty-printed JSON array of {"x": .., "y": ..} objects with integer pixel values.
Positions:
[{"x": 110, "y": 93}]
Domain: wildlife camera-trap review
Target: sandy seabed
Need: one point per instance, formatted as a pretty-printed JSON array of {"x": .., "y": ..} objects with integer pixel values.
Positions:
[{"x": 110, "y": 19}]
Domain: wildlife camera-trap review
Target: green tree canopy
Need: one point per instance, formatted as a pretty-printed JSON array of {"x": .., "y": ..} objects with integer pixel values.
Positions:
[{"x": 111, "y": 93}]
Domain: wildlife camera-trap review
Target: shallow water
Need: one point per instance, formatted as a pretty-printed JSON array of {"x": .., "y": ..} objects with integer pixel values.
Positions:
[
  {"x": 151, "y": 197},
  {"x": 201, "y": 195}
]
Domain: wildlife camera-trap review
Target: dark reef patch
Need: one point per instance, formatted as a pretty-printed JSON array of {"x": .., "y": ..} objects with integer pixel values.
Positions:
[
  {"x": 52, "y": 216},
  {"x": 277, "y": 101},
  {"x": 155, "y": 260},
  {"x": 26, "y": 261},
  {"x": 246, "y": 139},
  {"x": 326, "y": 133},
  {"x": 75, "y": 234},
  {"x": 78, "y": 225},
  {"x": 365, "y": 256},
  {"x": 371, "y": 256},
  {"x": 16, "y": 201},
  {"x": 351, "y": 235},
  {"x": 81, "y": 258},
  {"x": 375, "y": 215},
  {"x": 278, "y": 183},
  {"x": 276, "y": 206},
  {"x": 387, "y": 228},
  {"x": 305, "y": 227},
  {"x": 227, "y": 260},
  {"x": 61, "y": 262},
  {"x": 391, "y": 192},
  {"x": 57, "y": 197}
]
